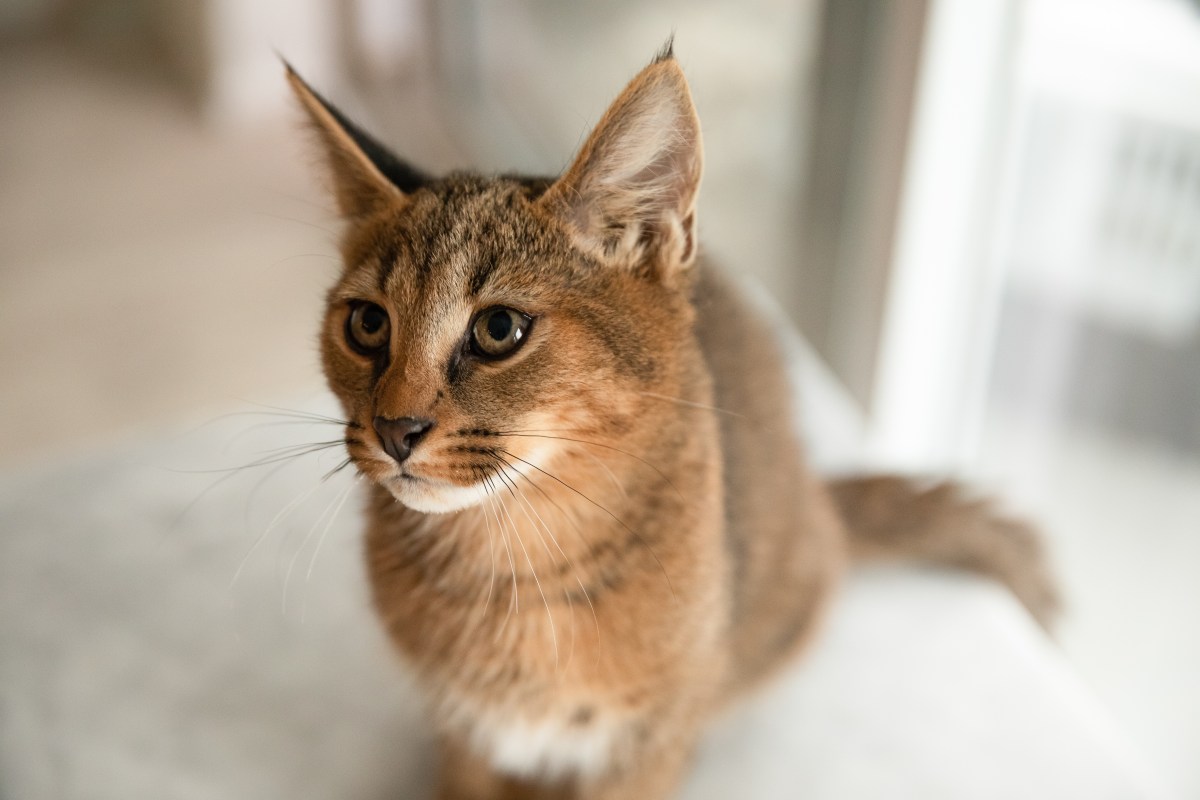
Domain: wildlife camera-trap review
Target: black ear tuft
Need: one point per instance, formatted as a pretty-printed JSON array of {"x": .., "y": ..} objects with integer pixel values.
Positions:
[
  {"x": 407, "y": 178},
  {"x": 667, "y": 51}
]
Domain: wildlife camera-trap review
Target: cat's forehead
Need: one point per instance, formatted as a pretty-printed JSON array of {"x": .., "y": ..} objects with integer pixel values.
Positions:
[{"x": 458, "y": 235}]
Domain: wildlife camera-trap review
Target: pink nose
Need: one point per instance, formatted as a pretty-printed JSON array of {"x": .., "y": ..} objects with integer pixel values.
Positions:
[{"x": 400, "y": 436}]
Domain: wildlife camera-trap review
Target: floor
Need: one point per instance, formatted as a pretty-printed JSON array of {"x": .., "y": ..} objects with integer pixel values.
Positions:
[
  {"x": 1123, "y": 520},
  {"x": 147, "y": 265},
  {"x": 161, "y": 640}
]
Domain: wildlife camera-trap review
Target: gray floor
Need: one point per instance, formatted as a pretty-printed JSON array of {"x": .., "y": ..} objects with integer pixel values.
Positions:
[{"x": 1123, "y": 518}]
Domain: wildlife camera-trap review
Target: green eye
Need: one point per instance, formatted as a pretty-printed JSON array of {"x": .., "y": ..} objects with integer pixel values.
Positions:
[
  {"x": 498, "y": 332},
  {"x": 368, "y": 328}
]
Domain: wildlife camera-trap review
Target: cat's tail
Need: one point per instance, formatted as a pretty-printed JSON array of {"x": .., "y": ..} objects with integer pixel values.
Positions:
[{"x": 897, "y": 518}]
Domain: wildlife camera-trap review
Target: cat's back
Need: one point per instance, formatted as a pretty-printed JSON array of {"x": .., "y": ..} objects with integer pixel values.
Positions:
[{"x": 783, "y": 537}]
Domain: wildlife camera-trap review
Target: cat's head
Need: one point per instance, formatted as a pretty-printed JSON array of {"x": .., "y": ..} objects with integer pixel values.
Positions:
[{"x": 483, "y": 321}]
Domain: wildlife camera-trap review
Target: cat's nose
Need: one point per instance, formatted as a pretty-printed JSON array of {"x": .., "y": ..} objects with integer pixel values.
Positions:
[{"x": 400, "y": 436}]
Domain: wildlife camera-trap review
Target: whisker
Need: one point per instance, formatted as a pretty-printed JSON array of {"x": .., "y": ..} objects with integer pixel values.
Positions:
[
  {"x": 203, "y": 493},
  {"x": 279, "y": 515},
  {"x": 328, "y": 525},
  {"x": 523, "y": 504},
  {"x": 535, "y": 434},
  {"x": 337, "y": 500},
  {"x": 516, "y": 493},
  {"x": 298, "y": 222},
  {"x": 327, "y": 211},
  {"x": 341, "y": 466},
  {"x": 258, "y": 484},
  {"x": 262, "y": 462},
  {"x": 562, "y": 512},
  {"x": 514, "y": 602},
  {"x": 291, "y": 448},
  {"x": 617, "y": 519},
  {"x": 612, "y": 477},
  {"x": 265, "y": 410},
  {"x": 320, "y": 541},
  {"x": 285, "y": 259},
  {"x": 526, "y": 506},
  {"x": 578, "y": 534},
  {"x": 229, "y": 472},
  {"x": 690, "y": 404},
  {"x": 491, "y": 557},
  {"x": 297, "y": 416},
  {"x": 282, "y": 465},
  {"x": 532, "y": 570},
  {"x": 249, "y": 429}
]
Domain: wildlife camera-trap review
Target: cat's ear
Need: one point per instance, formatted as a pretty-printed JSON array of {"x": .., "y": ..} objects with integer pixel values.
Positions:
[
  {"x": 630, "y": 195},
  {"x": 367, "y": 177}
]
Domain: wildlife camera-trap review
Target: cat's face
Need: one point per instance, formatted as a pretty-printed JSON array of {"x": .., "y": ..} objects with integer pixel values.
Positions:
[
  {"x": 480, "y": 325},
  {"x": 468, "y": 332}
]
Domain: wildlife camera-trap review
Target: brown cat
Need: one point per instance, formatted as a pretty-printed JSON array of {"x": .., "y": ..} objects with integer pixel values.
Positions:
[{"x": 589, "y": 524}]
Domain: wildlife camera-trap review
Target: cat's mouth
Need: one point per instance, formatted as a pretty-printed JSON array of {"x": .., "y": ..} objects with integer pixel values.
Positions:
[
  {"x": 433, "y": 495},
  {"x": 410, "y": 475},
  {"x": 443, "y": 477}
]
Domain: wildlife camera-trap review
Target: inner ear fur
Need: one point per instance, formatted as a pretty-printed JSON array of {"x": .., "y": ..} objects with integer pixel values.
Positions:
[
  {"x": 629, "y": 196},
  {"x": 367, "y": 177}
]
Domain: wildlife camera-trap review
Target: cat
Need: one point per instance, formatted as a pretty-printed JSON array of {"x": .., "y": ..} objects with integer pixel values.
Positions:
[{"x": 588, "y": 526}]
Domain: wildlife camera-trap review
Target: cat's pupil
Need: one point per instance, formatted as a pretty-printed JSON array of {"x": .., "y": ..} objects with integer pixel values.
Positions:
[
  {"x": 372, "y": 320},
  {"x": 499, "y": 325}
]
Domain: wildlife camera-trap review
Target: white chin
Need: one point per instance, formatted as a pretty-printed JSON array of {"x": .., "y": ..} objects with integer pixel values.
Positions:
[{"x": 432, "y": 498}]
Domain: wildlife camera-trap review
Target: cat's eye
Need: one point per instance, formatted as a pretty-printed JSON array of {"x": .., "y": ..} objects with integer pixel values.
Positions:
[
  {"x": 368, "y": 328},
  {"x": 498, "y": 332}
]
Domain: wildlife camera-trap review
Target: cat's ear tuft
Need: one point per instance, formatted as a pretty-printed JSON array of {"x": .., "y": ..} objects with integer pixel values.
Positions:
[
  {"x": 629, "y": 197},
  {"x": 367, "y": 177},
  {"x": 667, "y": 51}
]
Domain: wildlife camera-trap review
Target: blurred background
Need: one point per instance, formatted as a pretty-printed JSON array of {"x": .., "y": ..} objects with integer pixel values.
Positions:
[{"x": 984, "y": 215}]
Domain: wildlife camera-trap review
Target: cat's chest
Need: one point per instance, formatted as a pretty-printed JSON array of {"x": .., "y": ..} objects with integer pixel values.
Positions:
[
  {"x": 569, "y": 739},
  {"x": 525, "y": 716}
]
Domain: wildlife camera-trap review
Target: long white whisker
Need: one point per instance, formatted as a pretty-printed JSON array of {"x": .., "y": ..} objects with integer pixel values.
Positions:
[
  {"x": 536, "y": 580},
  {"x": 514, "y": 601},
  {"x": 690, "y": 404},
  {"x": 526, "y": 507},
  {"x": 492, "y": 558},
  {"x": 541, "y": 434},
  {"x": 487, "y": 601},
  {"x": 611, "y": 475},
  {"x": 228, "y": 474},
  {"x": 614, "y": 517},
  {"x": 328, "y": 525},
  {"x": 320, "y": 541},
  {"x": 279, "y": 516},
  {"x": 574, "y": 570},
  {"x": 296, "y": 555}
]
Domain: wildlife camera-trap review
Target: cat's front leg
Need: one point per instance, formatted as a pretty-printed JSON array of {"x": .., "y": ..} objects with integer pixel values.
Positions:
[
  {"x": 652, "y": 760},
  {"x": 657, "y": 774},
  {"x": 466, "y": 776}
]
